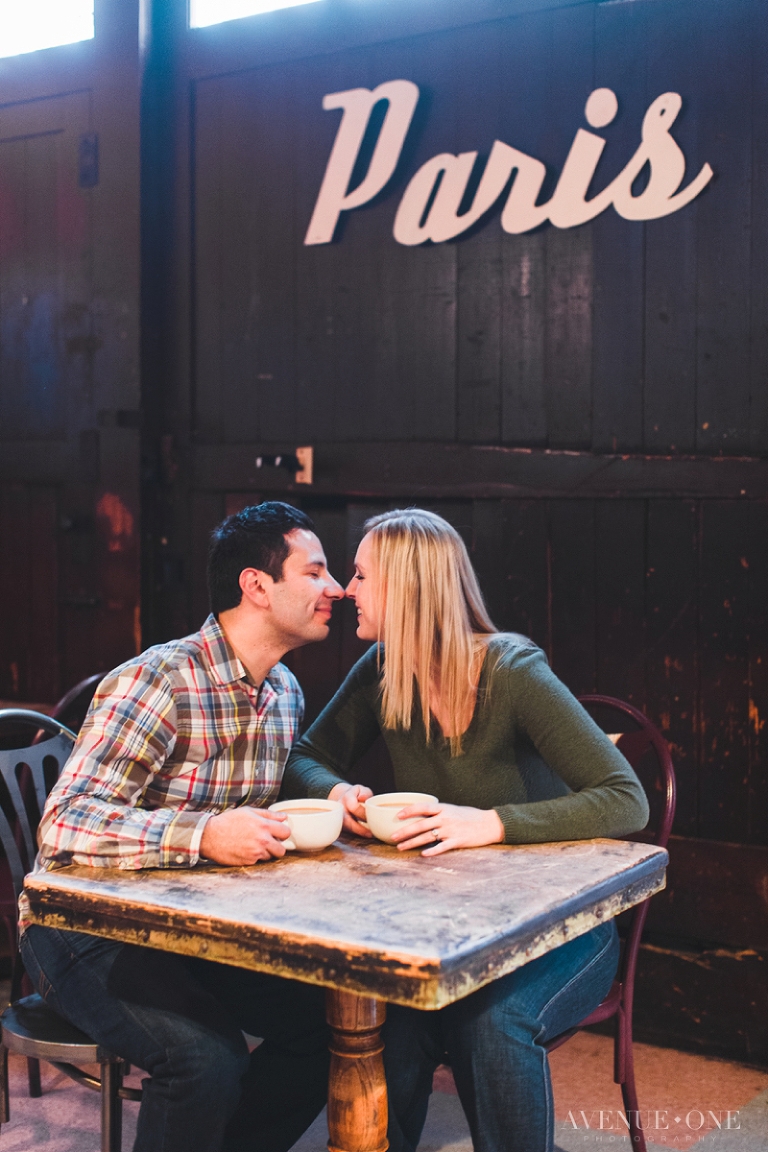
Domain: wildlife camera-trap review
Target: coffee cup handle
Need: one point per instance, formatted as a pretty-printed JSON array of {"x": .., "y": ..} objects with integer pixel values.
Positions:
[{"x": 289, "y": 845}]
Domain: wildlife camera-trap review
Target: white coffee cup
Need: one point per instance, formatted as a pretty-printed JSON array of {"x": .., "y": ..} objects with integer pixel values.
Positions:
[
  {"x": 381, "y": 812},
  {"x": 314, "y": 824}
]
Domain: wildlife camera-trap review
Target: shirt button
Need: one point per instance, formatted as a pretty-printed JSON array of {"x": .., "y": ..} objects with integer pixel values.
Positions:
[{"x": 179, "y": 859}]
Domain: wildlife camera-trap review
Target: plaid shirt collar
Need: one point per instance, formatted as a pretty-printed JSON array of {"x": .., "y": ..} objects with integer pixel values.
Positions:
[{"x": 225, "y": 666}]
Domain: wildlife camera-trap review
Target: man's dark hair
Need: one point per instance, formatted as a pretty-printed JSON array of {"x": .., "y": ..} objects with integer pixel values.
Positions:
[{"x": 253, "y": 538}]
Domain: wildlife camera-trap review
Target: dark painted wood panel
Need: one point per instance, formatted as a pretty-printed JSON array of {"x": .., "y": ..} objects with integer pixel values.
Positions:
[
  {"x": 257, "y": 282},
  {"x": 569, "y": 39},
  {"x": 671, "y": 652},
  {"x": 479, "y": 256},
  {"x": 707, "y": 1001},
  {"x": 568, "y": 354},
  {"x": 514, "y": 561},
  {"x": 29, "y": 594},
  {"x": 490, "y": 553},
  {"x": 715, "y": 895},
  {"x": 757, "y": 558},
  {"x": 524, "y": 258},
  {"x": 334, "y": 332},
  {"x": 46, "y": 341},
  {"x": 758, "y": 286},
  {"x": 207, "y": 384},
  {"x": 671, "y": 249},
  {"x": 478, "y": 337},
  {"x": 618, "y": 255},
  {"x": 574, "y": 607},
  {"x": 523, "y": 390},
  {"x": 724, "y": 671},
  {"x": 575, "y": 338},
  {"x": 723, "y": 239},
  {"x": 620, "y": 599},
  {"x": 414, "y": 361},
  {"x": 419, "y": 470}
]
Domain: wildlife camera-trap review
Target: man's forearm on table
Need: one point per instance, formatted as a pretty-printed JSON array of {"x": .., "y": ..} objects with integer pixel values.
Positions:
[{"x": 109, "y": 836}]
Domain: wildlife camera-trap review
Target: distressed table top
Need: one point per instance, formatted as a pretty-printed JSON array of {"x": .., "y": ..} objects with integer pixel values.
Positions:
[{"x": 363, "y": 916}]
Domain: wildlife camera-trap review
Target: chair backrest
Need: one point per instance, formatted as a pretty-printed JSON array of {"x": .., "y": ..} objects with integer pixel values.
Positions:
[
  {"x": 647, "y": 751},
  {"x": 643, "y": 745},
  {"x": 72, "y": 707},
  {"x": 26, "y": 777}
]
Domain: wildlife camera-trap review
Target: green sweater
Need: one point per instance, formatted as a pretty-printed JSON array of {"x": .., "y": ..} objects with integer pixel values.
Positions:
[{"x": 531, "y": 752}]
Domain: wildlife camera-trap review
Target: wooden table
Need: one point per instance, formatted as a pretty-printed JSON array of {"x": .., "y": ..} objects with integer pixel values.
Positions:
[{"x": 367, "y": 922}]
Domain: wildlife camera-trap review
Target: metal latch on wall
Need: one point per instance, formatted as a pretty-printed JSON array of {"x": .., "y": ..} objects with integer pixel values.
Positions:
[{"x": 299, "y": 462}]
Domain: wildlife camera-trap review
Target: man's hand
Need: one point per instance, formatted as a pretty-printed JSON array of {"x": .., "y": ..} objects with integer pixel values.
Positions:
[
  {"x": 353, "y": 797},
  {"x": 244, "y": 835}
]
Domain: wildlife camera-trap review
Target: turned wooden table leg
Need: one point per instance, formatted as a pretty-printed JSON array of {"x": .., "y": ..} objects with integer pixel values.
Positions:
[{"x": 357, "y": 1091}]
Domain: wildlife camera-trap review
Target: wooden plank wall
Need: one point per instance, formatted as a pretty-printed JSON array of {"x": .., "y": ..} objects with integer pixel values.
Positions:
[
  {"x": 69, "y": 359},
  {"x": 615, "y": 336},
  {"x": 626, "y": 360}
]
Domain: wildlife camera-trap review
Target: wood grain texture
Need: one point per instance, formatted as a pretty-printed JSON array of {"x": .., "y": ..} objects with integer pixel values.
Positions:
[
  {"x": 723, "y": 239},
  {"x": 620, "y": 615},
  {"x": 574, "y": 603},
  {"x": 357, "y": 1094},
  {"x": 671, "y": 245},
  {"x": 365, "y": 918},
  {"x": 757, "y": 559},
  {"x": 671, "y": 653},
  {"x": 620, "y": 61},
  {"x": 724, "y": 671},
  {"x": 427, "y": 470}
]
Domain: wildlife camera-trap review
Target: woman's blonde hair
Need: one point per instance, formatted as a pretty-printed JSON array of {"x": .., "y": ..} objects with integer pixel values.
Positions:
[{"x": 433, "y": 614}]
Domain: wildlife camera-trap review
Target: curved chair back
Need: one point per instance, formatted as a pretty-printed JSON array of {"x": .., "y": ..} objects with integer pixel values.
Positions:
[
  {"x": 640, "y": 741},
  {"x": 26, "y": 777},
  {"x": 73, "y": 706}
]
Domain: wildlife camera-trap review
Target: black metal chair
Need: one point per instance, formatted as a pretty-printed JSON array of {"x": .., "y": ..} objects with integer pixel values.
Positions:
[
  {"x": 29, "y": 1026},
  {"x": 648, "y": 752}
]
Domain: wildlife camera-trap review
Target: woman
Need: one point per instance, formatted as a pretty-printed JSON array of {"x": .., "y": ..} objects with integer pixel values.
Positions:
[{"x": 476, "y": 718}]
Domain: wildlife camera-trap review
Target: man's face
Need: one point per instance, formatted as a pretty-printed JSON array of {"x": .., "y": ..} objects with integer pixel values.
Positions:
[{"x": 303, "y": 600}]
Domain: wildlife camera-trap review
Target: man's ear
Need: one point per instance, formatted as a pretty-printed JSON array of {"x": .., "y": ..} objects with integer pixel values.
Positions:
[{"x": 256, "y": 587}]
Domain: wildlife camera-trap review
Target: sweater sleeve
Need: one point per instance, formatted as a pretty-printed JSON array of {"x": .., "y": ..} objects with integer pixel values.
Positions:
[
  {"x": 343, "y": 732},
  {"x": 605, "y": 798}
]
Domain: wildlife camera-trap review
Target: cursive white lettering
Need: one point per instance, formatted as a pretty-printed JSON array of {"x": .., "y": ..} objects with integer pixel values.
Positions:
[
  {"x": 358, "y": 103},
  {"x": 429, "y": 208}
]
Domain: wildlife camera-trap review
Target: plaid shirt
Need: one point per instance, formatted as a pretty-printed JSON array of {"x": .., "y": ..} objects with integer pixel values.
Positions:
[{"x": 173, "y": 737}]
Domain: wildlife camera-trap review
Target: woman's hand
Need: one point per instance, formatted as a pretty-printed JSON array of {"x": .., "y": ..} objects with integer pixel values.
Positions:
[
  {"x": 447, "y": 826},
  {"x": 353, "y": 797}
]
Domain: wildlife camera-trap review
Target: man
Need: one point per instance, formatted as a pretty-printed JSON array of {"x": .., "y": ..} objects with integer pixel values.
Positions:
[{"x": 181, "y": 752}]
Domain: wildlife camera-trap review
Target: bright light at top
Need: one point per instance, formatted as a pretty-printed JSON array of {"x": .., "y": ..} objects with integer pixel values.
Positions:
[
  {"x": 26, "y": 25},
  {"x": 205, "y": 12}
]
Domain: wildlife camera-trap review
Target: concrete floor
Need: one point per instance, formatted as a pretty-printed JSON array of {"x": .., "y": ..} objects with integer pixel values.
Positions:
[{"x": 686, "y": 1097}]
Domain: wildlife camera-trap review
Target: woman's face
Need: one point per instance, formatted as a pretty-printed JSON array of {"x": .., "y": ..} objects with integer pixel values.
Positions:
[{"x": 363, "y": 589}]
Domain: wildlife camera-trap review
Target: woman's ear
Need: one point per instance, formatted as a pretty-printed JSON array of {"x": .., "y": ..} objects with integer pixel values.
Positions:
[{"x": 256, "y": 586}]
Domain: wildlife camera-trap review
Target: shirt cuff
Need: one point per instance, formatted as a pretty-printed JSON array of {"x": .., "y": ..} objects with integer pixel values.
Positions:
[{"x": 180, "y": 846}]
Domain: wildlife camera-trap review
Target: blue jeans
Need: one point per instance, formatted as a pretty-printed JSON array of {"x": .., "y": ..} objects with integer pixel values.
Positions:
[
  {"x": 180, "y": 1019},
  {"x": 493, "y": 1040}
]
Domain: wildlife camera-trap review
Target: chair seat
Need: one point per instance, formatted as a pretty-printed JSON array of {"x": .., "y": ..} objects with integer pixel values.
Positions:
[
  {"x": 32, "y": 1028},
  {"x": 606, "y": 1008}
]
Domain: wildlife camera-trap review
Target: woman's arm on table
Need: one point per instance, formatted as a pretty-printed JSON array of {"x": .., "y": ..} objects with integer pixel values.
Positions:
[
  {"x": 606, "y": 797},
  {"x": 322, "y": 761}
]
